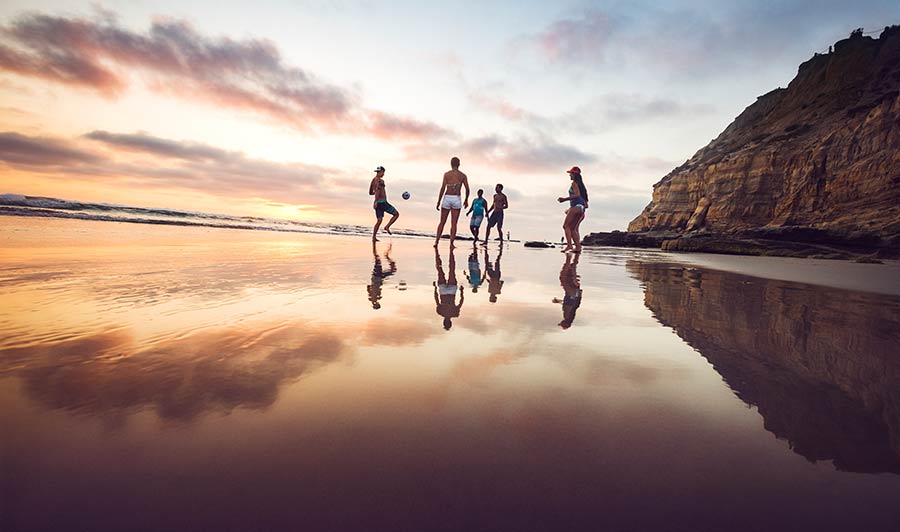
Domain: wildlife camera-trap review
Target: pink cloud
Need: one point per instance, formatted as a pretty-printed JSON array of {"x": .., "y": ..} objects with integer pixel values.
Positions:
[{"x": 246, "y": 75}]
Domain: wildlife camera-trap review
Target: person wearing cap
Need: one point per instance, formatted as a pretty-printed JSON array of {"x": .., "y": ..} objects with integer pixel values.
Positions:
[
  {"x": 381, "y": 205},
  {"x": 449, "y": 200},
  {"x": 578, "y": 204}
]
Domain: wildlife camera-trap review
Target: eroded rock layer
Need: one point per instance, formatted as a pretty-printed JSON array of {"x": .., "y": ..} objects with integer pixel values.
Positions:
[{"x": 822, "y": 153}]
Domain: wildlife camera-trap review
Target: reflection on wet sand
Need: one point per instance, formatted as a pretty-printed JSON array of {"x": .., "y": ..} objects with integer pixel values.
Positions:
[
  {"x": 473, "y": 274},
  {"x": 445, "y": 289},
  {"x": 379, "y": 275},
  {"x": 495, "y": 283},
  {"x": 109, "y": 375},
  {"x": 571, "y": 285},
  {"x": 821, "y": 364}
]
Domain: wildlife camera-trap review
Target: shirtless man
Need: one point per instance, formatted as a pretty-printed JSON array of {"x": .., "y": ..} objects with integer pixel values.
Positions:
[
  {"x": 449, "y": 200},
  {"x": 495, "y": 213},
  {"x": 381, "y": 205}
]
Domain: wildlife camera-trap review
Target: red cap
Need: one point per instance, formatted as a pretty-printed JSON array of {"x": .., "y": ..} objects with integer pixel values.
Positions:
[{"x": 574, "y": 170}]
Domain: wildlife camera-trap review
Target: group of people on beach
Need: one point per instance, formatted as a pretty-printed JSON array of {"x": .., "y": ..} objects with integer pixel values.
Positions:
[{"x": 450, "y": 203}]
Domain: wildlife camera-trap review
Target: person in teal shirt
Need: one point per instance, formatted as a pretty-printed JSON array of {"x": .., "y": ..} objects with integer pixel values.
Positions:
[{"x": 479, "y": 206}]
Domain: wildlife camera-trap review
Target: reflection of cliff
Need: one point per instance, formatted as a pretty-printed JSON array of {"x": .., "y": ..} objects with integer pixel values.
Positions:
[
  {"x": 109, "y": 375},
  {"x": 822, "y": 365}
]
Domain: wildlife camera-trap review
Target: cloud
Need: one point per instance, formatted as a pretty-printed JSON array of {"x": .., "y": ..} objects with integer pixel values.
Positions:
[
  {"x": 150, "y": 161},
  {"x": 142, "y": 142},
  {"x": 605, "y": 112},
  {"x": 586, "y": 38},
  {"x": 682, "y": 40},
  {"x": 387, "y": 126},
  {"x": 501, "y": 106},
  {"x": 22, "y": 150},
  {"x": 246, "y": 75},
  {"x": 532, "y": 154}
]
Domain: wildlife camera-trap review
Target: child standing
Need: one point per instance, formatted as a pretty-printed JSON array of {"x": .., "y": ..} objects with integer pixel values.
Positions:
[{"x": 478, "y": 208}]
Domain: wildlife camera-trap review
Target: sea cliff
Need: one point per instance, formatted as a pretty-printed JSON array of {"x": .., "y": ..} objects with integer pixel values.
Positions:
[{"x": 808, "y": 170}]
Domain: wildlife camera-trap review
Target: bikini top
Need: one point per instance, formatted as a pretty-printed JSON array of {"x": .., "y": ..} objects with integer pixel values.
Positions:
[{"x": 575, "y": 201}]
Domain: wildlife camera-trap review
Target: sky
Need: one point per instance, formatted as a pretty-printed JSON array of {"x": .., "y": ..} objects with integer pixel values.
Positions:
[{"x": 282, "y": 109}]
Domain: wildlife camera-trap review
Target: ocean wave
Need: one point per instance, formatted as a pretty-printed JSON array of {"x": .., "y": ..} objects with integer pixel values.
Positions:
[{"x": 21, "y": 205}]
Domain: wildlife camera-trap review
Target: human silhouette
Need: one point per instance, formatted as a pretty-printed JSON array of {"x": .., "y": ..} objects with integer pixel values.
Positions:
[
  {"x": 578, "y": 204},
  {"x": 445, "y": 289},
  {"x": 381, "y": 205},
  {"x": 495, "y": 283},
  {"x": 571, "y": 285},
  {"x": 449, "y": 201},
  {"x": 379, "y": 275},
  {"x": 473, "y": 274}
]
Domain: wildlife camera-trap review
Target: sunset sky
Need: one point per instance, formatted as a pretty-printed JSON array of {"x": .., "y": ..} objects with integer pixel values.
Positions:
[{"x": 282, "y": 109}]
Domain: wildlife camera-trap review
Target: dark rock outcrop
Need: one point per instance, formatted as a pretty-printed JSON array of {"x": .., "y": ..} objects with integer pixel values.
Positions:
[
  {"x": 820, "y": 364},
  {"x": 822, "y": 154},
  {"x": 650, "y": 239}
]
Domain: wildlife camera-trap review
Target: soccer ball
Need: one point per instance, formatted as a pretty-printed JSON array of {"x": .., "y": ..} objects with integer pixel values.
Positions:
[{"x": 406, "y": 195}]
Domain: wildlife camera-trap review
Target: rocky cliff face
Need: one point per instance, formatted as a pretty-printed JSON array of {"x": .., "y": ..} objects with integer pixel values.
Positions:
[
  {"x": 823, "y": 153},
  {"x": 820, "y": 364}
]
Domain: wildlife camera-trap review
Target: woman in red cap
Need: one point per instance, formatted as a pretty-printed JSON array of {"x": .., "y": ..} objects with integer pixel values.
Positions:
[{"x": 578, "y": 204}]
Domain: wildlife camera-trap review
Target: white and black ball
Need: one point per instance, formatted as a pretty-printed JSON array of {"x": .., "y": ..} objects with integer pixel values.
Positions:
[{"x": 405, "y": 195}]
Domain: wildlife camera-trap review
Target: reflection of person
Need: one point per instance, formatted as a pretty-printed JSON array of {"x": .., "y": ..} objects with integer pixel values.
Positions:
[
  {"x": 578, "y": 204},
  {"x": 381, "y": 205},
  {"x": 493, "y": 274},
  {"x": 571, "y": 284},
  {"x": 495, "y": 213},
  {"x": 474, "y": 274},
  {"x": 449, "y": 200},
  {"x": 379, "y": 275},
  {"x": 479, "y": 207},
  {"x": 445, "y": 290}
]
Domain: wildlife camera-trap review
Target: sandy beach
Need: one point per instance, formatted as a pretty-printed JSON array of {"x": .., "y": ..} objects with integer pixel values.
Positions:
[{"x": 255, "y": 367}]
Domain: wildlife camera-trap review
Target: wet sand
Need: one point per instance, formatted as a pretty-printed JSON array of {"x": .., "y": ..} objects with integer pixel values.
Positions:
[{"x": 186, "y": 378}]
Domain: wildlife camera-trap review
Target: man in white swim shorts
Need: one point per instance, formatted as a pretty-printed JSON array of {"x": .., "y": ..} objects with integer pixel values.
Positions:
[{"x": 449, "y": 201}]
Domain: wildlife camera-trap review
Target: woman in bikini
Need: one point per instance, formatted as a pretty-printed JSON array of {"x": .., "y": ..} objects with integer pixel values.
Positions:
[{"x": 578, "y": 204}]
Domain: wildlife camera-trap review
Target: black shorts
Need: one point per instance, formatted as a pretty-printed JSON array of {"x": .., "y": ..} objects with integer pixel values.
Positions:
[{"x": 496, "y": 219}]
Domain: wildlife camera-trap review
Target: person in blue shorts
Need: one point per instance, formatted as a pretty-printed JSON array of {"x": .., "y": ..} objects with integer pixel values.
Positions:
[
  {"x": 381, "y": 205},
  {"x": 477, "y": 210}
]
